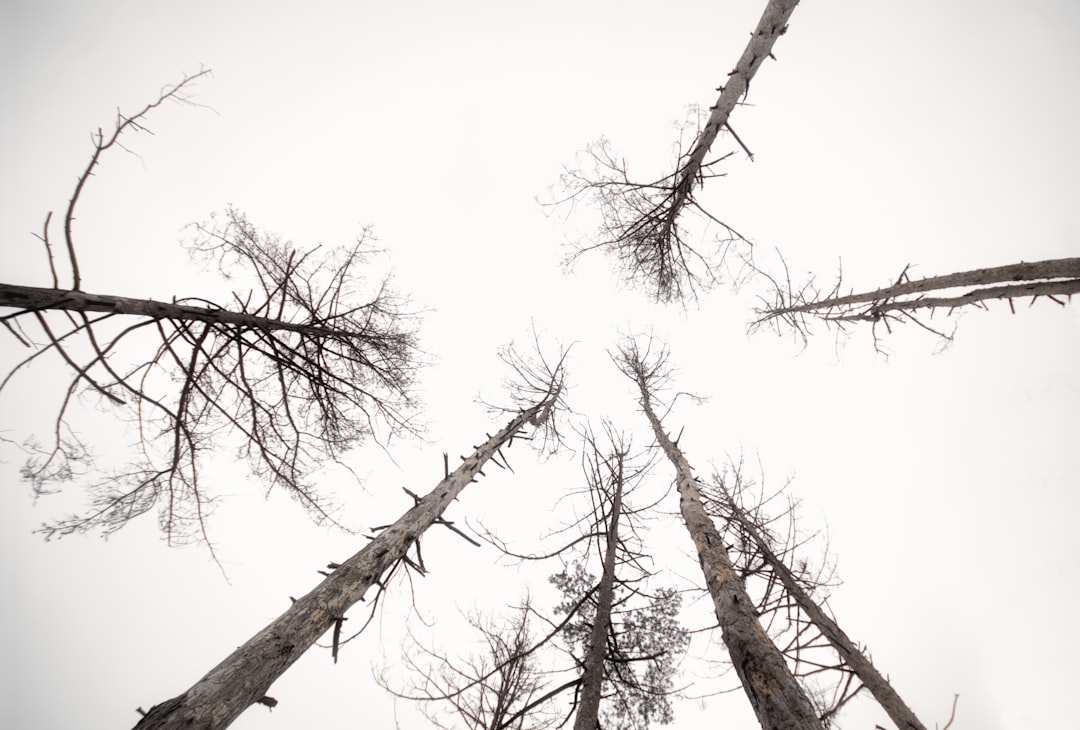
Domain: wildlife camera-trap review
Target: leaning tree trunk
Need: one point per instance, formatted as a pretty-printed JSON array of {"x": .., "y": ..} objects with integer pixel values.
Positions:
[
  {"x": 244, "y": 677},
  {"x": 593, "y": 677},
  {"x": 878, "y": 685},
  {"x": 772, "y": 25},
  {"x": 777, "y": 698}
]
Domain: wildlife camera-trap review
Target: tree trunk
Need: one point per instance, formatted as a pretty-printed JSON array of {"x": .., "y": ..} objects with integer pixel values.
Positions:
[
  {"x": 777, "y": 698},
  {"x": 878, "y": 685},
  {"x": 1033, "y": 289},
  {"x": 772, "y": 25},
  {"x": 1022, "y": 279},
  {"x": 35, "y": 298},
  {"x": 592, "y": 678},
  {"x": 244, "y": 677}
]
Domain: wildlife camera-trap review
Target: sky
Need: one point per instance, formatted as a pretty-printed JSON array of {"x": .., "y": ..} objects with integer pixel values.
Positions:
[{"x": 885, "y": 134}]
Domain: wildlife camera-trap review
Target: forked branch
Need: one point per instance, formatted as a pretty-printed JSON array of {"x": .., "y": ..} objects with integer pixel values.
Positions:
[{"x": 306, "y": 364}]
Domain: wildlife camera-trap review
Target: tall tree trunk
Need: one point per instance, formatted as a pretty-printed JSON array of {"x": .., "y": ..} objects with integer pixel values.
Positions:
[
  {"x": 772, "y": 25},
  {"x": 878, "y": 685},
  {"x": 777, "y": 698},
  {"x": 244, "y": 677},
  {"x": 592, "y": 678}
]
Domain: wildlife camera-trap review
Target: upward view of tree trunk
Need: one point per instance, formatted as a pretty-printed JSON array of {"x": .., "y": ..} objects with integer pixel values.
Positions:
[
  {"x": 641, "y": 221},
  {"x": 592, "y": 676},
  {"x": 793, "y": 308},
  {"x": 778, "y": 700},
  {"x": 306, "y": 359},
  {"x": 878, "y": 685},
  {"x": 245, "y": 676}
]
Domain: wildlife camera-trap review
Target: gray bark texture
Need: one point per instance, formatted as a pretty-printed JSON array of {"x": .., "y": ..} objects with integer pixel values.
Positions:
[
  {"x": 772, "y": 25},
  {"x": 1030, "y": 279},
  {"x": 776, "y": 696},
  {"x": 33, "y": 298},
  {"x": 245, "y": 676},
  {"x": 592, "y": 678},
  {"x": 878, "y": 685}
]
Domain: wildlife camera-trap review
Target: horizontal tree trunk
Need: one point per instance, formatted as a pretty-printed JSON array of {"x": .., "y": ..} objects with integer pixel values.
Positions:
[
  {"x": 1068, "y": 268},
  {"x": 244, "y": 677},
  {"x": 1064, "y": 288},
  {"x": 37, "y": 299}
]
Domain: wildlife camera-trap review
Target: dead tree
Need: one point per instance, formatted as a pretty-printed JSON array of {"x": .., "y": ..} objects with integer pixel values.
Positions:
[
  {"x": 751, "y": 526},
  {"x": 245, "y": 676},
  {"x": 775, "y": 695},
  {"x": 307, "y": 364},
  {"x": 502, "y": 687},
  {"x": 592, "y": 674},
  {"x": 624, "y": 639},
  {"x": 641, "y": 221},
  {"x": 790, "y": 307}
]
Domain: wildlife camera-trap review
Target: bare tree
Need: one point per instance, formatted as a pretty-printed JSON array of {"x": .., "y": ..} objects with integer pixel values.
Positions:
[
  {"x": 790, "y": 307},
  {"x": 499, "y": 688},
  {"x": 790, "y": 591},
  {"x": 620, "y": 626},
  {"x": 308, "y": 363},
  {"x": 775, "y": 695},
  {"x": 624, "y": 639},
  {"x": 245, "y": 676},
  {"x": 641, "y": 221}
]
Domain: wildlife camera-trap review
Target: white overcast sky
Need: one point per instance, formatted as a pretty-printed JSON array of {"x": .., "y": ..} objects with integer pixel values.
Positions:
[{"x": 937, "y": 134}]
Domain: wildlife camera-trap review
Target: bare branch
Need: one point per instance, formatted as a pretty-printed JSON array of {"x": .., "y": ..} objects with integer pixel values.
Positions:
[
  {"x": 175, "y": 92},
  {"x": 311, "y": 362}
]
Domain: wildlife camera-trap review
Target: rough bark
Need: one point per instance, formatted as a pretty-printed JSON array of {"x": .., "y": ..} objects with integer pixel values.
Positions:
[
  {"x": 1035, "y": 278},
  {"x": 772, "y": 25},
  {"x": 245, "y": 676},
  {"x": 777, "y": 698},
  {"x": 593, "y": 677},
  {"x": 878, "y": 685},
  {"x": 33, "y": 298},
  {"x": 1065, "y": 288}
]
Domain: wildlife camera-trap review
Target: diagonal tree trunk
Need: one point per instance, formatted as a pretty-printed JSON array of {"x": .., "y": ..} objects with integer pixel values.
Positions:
[
  {"x": 641, "y": 222},
  {"x": 778, "y": 700},
  {"x": 244, "y": 677},
  {"x": 593, "y": 677},
  {"x": 1049, "y": 278},
  {"x": 878, "y": 685},
  {"x": 772, "y": 25}
]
